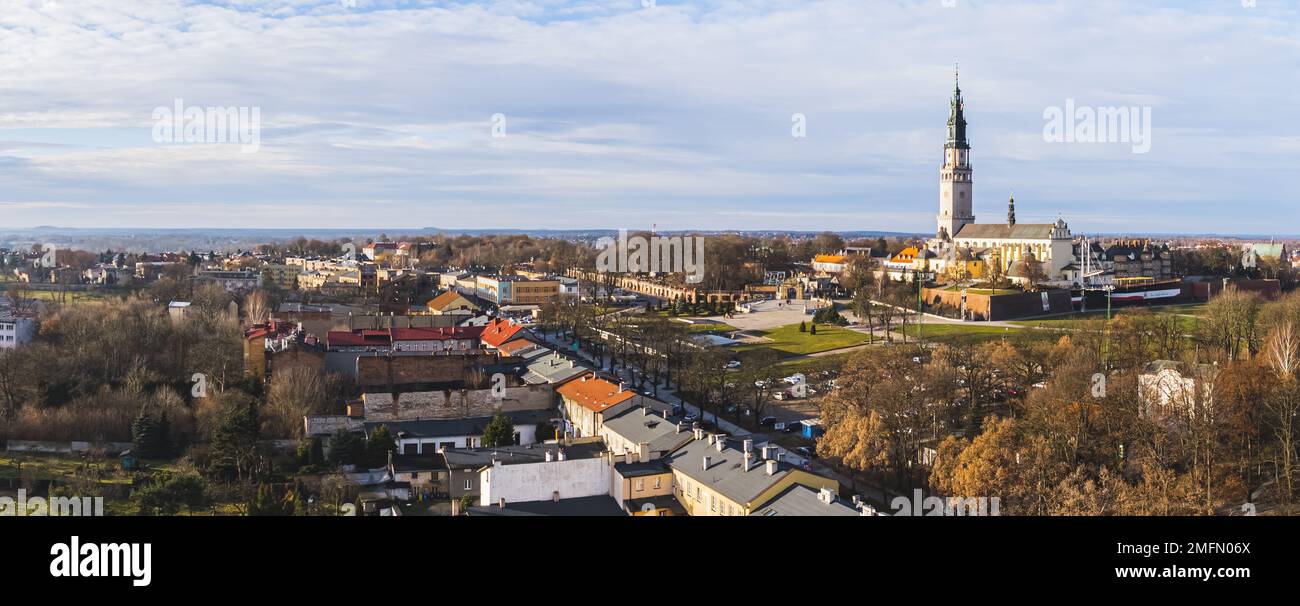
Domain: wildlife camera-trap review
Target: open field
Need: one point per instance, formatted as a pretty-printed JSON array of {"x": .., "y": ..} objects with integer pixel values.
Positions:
[
  {"x": 1187, "y": 315},
  {"x": 970, "y": 332},
  {"x": 65, "y": 296},
  {"x": 788, "y": 341}
]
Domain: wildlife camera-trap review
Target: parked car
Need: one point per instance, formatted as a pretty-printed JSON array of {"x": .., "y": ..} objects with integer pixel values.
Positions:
[
  {"x": 690, "y": 417},
  {"x": 733, "y": 364},
  {"x": 806, "y": 452},
  {"x": 792, "y": 427},
  {"x": 767, "y": 422}
]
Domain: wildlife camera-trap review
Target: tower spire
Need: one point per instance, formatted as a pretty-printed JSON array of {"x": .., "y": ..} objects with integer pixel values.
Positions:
[
  {"x": 1011, "y": 210},
  {"x": 956, "y": 114}
]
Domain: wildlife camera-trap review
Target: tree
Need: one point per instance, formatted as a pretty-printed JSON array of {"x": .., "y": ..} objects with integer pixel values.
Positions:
[
  {"x": 234, "y": 439},
  {"x": 166, "y": 495},
  {"x": 499, "y": 432},
  {"x": 379, "y": 446},
  {"x": 812, "y": 330},
  {"x": 346, "y": 448},
  {"x": 803, "y": 326},
  {"x": 151, "y": 436}
]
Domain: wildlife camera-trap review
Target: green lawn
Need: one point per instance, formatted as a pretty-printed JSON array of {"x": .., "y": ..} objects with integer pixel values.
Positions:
[
  {"x": 70, "y": 296},
  {"x": 958, "y": 333},
  {"x": 985, "y": 291},
  {"x": 788, "y": 341},
  {"x": 1186, "y": 314},
  {"x": 811, "y": 366},
  {"x": 707, "y": 327}
]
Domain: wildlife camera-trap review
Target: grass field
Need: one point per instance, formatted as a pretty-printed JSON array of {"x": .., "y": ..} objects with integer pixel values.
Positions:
[
  {"x": 70, "y": 296},
  {"x": 1187, "y": 315},
  {"x": 985, "y": 291},
  {"x": 788, "y": 341},
  {"x": 959, "y": 333}
]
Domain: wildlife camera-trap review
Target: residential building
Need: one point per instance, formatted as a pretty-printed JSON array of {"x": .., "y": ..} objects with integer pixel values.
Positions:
[
  {"x": 563, "y": 472},
  {"x": 1168, "y": 389},
  {"x": 16, "y": 329},
  {"x": 453, "y": 302},
  {"x": 714, "y": 475},
  {"x": 586, "y": 399}
]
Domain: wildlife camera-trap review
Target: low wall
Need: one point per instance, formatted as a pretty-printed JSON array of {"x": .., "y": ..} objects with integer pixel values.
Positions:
[
  {"x": 1002, "y": 307},
  {"x": 64, "y": 447}
]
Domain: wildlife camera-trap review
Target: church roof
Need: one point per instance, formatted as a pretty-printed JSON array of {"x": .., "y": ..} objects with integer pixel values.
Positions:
[{"x": 1002, "y": 231}]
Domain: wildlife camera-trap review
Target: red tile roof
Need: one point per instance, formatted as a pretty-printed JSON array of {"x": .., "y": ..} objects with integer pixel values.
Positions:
[
  {"x": 593, "y": 393},
  {"x": 437, "y": 334},
  {"x": 499, "y": 331}
]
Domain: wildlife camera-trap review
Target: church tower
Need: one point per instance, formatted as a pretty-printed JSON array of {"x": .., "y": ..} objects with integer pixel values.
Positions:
[{"x": 955, "y": 203}]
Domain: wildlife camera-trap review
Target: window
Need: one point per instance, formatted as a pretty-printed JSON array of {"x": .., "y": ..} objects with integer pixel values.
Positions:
[
  {"x": 469, "y": 483},
  {"x": 640, "y": 484},
  {"x": 657, "y": 482}
]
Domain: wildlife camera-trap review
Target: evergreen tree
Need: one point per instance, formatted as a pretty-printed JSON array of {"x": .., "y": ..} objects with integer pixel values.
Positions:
[
  {"x": 151, "y": 436},
  {"x": 499, "y": 432}
]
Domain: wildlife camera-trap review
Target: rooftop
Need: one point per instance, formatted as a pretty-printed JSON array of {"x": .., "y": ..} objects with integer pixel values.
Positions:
[
  {"x": 800, "y": 500},
  {"x": 599, "y": 505},
  {"x": 594, "y": 393}
]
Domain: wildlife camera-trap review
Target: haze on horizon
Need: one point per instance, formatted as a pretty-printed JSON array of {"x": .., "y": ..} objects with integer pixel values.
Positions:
[{"x": 676, "y": 115}]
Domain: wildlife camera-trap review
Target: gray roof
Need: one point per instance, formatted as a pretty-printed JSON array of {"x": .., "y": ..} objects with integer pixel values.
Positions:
[
  {"x": 599, "y": 505},
  {"x": 653, "y": 429},
  {"x": 552, "y": 368},
  {"x": 1002, "y": 231},
  {"x": 325, "y": 425},
  {"x": 471, "y": 426},
  {"x": 726, "y": 474},
  {"x": 477, "y": 458},
  {"x": 800, "y": 500}
]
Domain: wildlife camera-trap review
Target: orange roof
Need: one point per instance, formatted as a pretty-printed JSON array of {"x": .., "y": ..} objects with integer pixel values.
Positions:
[
  {"x": 593, "y": 393},
  {"x": 828, "y": 259},
  {"x": 516, "y": 346},
  {"x": 497, "y": 332},
  {"x": 443, "y": 300},
  {"x": 907, "y": 254}
]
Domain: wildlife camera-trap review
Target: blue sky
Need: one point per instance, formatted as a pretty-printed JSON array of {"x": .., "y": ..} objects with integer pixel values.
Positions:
[{"x": 379, "y": 115}]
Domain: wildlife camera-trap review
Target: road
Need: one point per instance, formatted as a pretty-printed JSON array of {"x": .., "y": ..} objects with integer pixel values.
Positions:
[{"x": 666, "y": 395}]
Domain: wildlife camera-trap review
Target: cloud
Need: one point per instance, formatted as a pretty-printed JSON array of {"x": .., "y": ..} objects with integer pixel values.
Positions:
[{"x": 623, "y": 116}]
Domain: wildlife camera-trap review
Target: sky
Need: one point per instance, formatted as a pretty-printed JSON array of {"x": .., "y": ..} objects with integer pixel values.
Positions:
[{"x": 638, "y": 113}]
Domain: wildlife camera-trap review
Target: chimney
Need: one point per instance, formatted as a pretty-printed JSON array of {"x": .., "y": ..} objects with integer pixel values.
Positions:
[
  {"x": 857, "y": 501},
  {"x": 559, "y": 456},
  {"x": 771, "y": 467},
  {"x": 620, "y": 387},
  {"x": 721, "y": 442},
  {"x": 645, "y": 411},
  {"x": 502, "y": 503},
  {"x": 627, "y": 457},
  {"x": 555, "y": 496},
  {"x": 643, "y": 452},
  {"x": 549, "y": 457},
  {"x": 749, "y": 460},
  {"x": 679, "y": 427},
  {"x": 827, "y": 496},
  {"x": 706, "y": 463},
  {"x": 766, "y": 452},
  {"x": 749, "y": 445},
  {"x": 699, "y": 433}
]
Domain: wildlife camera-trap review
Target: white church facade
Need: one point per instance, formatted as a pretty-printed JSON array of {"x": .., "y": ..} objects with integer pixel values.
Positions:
[{"x": 1023, "y": 252}]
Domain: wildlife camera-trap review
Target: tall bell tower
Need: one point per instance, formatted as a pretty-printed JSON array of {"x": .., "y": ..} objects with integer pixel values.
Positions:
[{"x": 955, "y": 203}]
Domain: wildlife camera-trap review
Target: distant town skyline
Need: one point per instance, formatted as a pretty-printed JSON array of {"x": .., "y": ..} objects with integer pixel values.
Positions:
[{"x": 704, "y": 115}]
